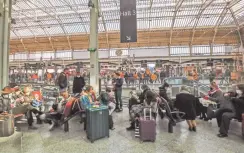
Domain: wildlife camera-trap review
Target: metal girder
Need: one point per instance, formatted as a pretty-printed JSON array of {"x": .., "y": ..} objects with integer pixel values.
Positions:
[
  {"x": 20, "y": 39},
  {"x": 149, "y": 22},
  {"x": 46, "y": 32},
  {"x": 236, "y": 22},
  {"x": 70, "y": 6},
  {"x": 221, "y": 18},
  {"x": 58, "y": 20},
  {"x": 104, "y": 23},
  {"x": 204, "y": 6},
  {"x": 108, "y": 9},
  {"x": 177, "y": 7},
  {"x": 219, "y": 21}
]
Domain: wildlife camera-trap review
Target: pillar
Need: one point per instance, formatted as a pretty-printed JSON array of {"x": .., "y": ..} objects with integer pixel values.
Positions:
[
  {"x": 93, "y": 46},
  {"x": 211, "y": 49},
  {"x": 5, "y": 20},
  {"x": 190, "y": 49}
]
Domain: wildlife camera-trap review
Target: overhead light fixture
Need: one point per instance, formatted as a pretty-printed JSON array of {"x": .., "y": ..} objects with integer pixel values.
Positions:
[{"x": 90, "y": 4}]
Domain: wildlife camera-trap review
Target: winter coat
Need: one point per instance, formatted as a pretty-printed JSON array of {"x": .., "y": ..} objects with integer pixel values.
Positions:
[
  {"x": 78, "y": 84},
  {"x": 186, "y": 103},
  {"x": 62, "y": 81},
  {"x": 118, "y": 84},
  {"x": 238, "y": 104},
  {"x": 219, "y": 98}
]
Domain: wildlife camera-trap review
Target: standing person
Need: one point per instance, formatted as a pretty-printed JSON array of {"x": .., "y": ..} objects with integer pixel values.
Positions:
[
  {"x": 162, "y": 76},
  {"x": 186, "y": 103},
  {"x": 63, "y": 80},
  {"x": 78, "y": 83},
  {"x": 118, "y": 92}
]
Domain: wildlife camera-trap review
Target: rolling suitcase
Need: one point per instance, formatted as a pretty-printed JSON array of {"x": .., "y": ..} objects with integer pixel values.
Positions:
[
  {"x": 6, "y": 125},
  {"x": 147, "y": 127},
  {"x": 97, "y": 123},
  {"x": 243, "y": 125}
]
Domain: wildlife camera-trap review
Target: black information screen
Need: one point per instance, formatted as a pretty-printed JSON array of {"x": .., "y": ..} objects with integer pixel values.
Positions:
[{"x": 128, "y": 21}]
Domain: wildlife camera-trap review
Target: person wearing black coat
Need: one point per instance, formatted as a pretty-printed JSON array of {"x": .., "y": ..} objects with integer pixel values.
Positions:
[
  {"x": 78, "y": 83},
  {"x": 63, "y": 81},
  {"x": 186, "y": 103},
  {"x": 118, "y": 83},
  {"x": 237, "y": 111}
]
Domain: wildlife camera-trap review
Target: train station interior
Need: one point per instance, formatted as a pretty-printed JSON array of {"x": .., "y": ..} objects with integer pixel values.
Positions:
[{"x": 122, "y": 76}]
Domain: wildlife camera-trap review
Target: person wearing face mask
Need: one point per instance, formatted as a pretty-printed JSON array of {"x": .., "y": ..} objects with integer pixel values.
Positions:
[
  {"x": 237, "y": 111},
  {"x": 216, "y": 95},
  {"x": 78, "y": 83}
]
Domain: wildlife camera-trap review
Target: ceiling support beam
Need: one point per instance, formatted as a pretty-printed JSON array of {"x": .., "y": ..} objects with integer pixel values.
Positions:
[
  {"x": 236, "y": 22},
  {"x": 149, "y": 21},
  {"x": 177, "y": 7},
  {"x": 204, "y": 6},
  {"x": 58, "y": 20},
  {"x": 104, "y": 23},
  {"x": 219, "y": 21}
]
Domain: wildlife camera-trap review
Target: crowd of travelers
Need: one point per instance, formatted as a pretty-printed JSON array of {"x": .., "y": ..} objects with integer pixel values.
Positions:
[{"x": 216, "y": 104}]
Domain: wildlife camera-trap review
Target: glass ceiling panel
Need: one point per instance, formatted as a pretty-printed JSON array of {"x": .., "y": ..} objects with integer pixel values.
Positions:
[
  {"x": 74, "y": 15},
  {"x": 113, "y": 26},
  {"x": 76, "y": 28},
  {"x": 24, "y": 33},
  {"x": 207, "y": 21},
  {"x": 55, "y": 30},
  {"x": 38, "y": 31}
]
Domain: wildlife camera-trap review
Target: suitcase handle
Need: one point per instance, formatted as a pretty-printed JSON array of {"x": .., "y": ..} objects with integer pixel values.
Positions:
[{"x": 150, "y": 112}]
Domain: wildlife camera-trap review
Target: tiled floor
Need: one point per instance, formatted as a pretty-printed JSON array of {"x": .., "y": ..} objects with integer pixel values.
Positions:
[{"x": 121, "y": 141}]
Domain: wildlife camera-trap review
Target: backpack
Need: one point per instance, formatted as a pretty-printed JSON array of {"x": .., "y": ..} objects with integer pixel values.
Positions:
[
  {"x": 104, "y": 98},
  {"x": 5, "y": 105}
]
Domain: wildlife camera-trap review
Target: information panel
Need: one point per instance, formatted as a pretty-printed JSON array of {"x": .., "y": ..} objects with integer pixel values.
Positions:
[{"x": 128, "y": 21}]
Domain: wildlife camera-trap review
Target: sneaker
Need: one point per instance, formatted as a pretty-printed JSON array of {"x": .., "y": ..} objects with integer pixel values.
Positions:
[
  {"x": 121, "y": 109},
  {"x": 51, "y": 127},
  {"x": 194, "y": 129},
  {"x": 32, "y": 128},
  {"x": 117, "y": 110},
  {"x": 190, "y": 129},
  {"x": 222, "y": 135}
]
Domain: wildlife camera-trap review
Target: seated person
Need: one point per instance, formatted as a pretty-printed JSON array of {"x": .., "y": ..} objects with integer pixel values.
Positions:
[
  {"x": 37, "y": 101},
  {"x": 149, "y": 100},
  {"x": 24, "y": 105},
  {"x": 55, "y": 115},
  {"x": 236, "y": 112},
  {"x": 108, "y": 99},
  {"x": 88, "y": 97},
  {"x": 225, "y": 105}
]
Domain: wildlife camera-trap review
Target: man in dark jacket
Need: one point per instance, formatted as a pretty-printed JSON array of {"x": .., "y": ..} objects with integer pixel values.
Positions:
[
  {"x": 63, "y": 81},
  {"x": 78, "y": 83},
  {"x": 236, "y": 112},
  {"x": 225, "y": 105},
  {"x": 118, "y": 83}
]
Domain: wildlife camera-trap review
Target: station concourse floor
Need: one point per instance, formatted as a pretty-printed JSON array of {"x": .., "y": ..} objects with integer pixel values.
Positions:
[{"x": 122, "y": 141}]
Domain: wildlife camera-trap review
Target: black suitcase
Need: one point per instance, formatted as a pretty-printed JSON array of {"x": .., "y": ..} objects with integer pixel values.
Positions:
[{"x": 97, "y": 123}]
